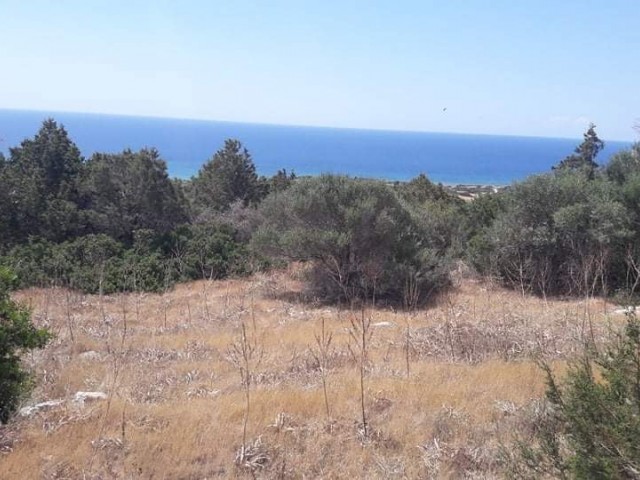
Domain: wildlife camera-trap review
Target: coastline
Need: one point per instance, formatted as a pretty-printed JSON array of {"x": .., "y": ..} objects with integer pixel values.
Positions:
[{"x": 470, "y": 191}]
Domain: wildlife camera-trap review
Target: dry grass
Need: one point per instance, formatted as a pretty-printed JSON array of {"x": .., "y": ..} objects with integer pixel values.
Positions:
[{"x": 175, "y": 403}]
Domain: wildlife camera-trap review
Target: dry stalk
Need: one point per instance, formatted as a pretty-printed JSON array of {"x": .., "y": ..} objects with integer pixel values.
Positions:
[
  {"x": 407, "y": 346},
  {"x": 205, "y": 300},
  {"x": 360, "y": 333},
  {"x": 245, "y": 354},
  {"x": 321, "y": 354},
  {"x": 70, "y": 322}
]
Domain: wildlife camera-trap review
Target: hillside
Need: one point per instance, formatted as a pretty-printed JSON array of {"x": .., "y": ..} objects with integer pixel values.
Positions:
[{"x": 175, "y": 405}]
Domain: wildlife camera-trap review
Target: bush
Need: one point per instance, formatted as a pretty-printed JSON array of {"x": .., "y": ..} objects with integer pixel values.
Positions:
[
  {"x": 207, "y": 251},
  {"x": 557, "y": 234},
  {"x": 17, "y": 334},
  {"x": 362, "y": 240},
  {"x": 592, "y": 427}
]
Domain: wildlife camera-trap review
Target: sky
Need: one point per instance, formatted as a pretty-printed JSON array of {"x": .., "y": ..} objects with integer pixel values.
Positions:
[{"x": 543, "y": 68}]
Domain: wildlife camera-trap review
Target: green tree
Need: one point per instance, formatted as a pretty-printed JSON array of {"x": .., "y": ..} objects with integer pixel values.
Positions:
[
  {"x": 229, "y": 176},
  {"x": 281, "y": 180},
  {"x": 584, "y": 156},
  {"x": 41, "y": 178},
  {"x": 420, "y": 190},
  {"x": 130, "y": 191},
  {"x": 361, "y": 240},
  {"x": 17, "y": 334},
  {"x": 6, "y": 213},
  {"x": 624, "y": 164}
]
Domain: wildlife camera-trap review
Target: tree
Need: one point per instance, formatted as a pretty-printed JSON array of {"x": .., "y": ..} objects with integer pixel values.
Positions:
[
  {"x": 6, "y": 213},
  {"x": 229, "y": 176},
  {"x": 41, "y": 178},
  {"x": 131, "y": 191},
  {"x": 281, "y": 180},
  {"x": 17, "y": 334},
  {"x": 624, "y": 164},
  {"x": 362, "y": 241},
  {"x": 420, "y": 190},
  {"x": 584, "y": 156}
]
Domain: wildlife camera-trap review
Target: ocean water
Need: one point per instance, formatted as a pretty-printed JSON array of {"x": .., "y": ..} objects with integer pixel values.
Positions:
[{"x": 187, "y": 144}]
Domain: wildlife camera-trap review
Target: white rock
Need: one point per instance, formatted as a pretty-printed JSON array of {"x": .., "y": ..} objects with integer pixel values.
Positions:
[
  {"x": 625, "y": 310},
  {"x": 80, "y": 397},
  {"x": 90, "y": 355},
  {"x": 30, "y": 410},
  {"x": 382, "y": 324}
]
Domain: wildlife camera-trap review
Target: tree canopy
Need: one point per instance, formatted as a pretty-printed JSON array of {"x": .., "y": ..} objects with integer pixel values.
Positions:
[
  {"x": 40, "y": 179},
  {"x": 229, "y": 176},
  {"x": 131, "y": 191},
  {"x": 584, "y": 156},
  {"x": 363, "y": 242}
]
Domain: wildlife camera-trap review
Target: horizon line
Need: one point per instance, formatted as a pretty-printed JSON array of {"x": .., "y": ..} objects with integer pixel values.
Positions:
[{"x": 267, "y": 124}]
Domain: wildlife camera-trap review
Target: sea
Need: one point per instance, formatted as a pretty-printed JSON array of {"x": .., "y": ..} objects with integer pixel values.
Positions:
[{"x": 185, "y": 145}]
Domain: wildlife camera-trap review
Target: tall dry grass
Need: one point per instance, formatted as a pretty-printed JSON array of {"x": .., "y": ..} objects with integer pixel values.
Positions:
[{"x": 445, "y": 388}]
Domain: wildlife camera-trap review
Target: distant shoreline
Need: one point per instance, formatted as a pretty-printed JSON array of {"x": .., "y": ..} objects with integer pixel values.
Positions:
[
  {"x": 471, "y": 191},
  {"x": 452, "y": 159}
]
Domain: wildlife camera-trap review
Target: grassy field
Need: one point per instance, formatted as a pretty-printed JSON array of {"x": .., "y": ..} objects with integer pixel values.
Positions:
[{"x": 446, "y": 388}]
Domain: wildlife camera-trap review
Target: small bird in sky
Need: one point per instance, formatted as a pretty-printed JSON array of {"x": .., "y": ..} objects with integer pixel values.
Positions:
[{"x": 444, "y": 109}]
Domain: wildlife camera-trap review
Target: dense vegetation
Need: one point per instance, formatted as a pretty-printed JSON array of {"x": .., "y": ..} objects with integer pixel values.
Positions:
[
  {"x": 575, "y": 231},
  {"x": 117, "y": 222},
  {"x": 363, "y": 240}
]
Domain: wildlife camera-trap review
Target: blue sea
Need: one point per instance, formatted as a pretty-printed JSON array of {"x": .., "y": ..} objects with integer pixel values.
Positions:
[{"x": 187, "y": 144}]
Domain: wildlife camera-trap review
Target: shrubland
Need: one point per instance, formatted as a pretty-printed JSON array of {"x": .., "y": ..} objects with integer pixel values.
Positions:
[{"x": 405, "y": 318}]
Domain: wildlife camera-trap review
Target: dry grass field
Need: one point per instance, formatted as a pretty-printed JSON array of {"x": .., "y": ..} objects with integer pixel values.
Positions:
[{"x": 446, "y": 388}]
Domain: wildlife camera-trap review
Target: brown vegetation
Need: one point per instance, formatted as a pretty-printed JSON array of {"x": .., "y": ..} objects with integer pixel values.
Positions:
[{"x": 445, "y": 390}]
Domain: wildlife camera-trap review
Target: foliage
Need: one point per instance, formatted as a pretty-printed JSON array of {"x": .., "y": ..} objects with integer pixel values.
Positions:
[
  {"x": 99, "y": 263},
  {"x": 131, "y": 191},
  {"x": 207, "y": 252},
  {"x": 420, "y": 190},
  {"x": 40, "y": 184},
  {"x": 557, "y": 234},
  {"x": 17, "y": 334},
  {"x": 281, "y": 181},
  {"x": 624, "y": 165},
  {"x": 229, "y": 176},
  {"x": 592, "y": 426},
  {"x": 363, "y": 242},
  {"x": 584, "y": 156}
]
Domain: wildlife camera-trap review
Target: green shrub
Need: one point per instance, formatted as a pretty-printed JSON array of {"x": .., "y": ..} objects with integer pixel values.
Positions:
[
  {"x": 17, "y": 334},
  {"x": 591, "y": 429},
  {"x": 362, "y": 240}
]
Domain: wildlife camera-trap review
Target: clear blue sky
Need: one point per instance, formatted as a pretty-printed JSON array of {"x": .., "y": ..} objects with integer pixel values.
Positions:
[{"x": 542, "y": 68}]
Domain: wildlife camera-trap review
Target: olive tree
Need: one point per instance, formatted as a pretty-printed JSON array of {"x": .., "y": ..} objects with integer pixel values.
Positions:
[{"x": 361, "y": 239}]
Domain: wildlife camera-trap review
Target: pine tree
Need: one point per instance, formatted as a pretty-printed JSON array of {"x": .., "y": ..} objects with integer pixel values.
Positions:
[
  {"x": 229, "y": 176},
  {"x": 584, "y": 156},
  {"x": 41, "y": 176}
]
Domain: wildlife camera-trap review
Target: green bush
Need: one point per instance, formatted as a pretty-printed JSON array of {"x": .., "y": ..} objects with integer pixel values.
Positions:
[
  {"x": 207, "y": 251},
  {"x": 557, "y": 234},
  {"x": 363, "y": 242},
  {"x": 17, "y": 334},
  {"x": 591, "y": 429}
]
